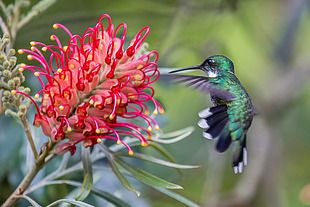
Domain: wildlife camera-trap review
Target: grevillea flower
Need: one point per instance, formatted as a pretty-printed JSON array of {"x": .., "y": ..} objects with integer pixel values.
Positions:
[{"x": 92, "y": 87}]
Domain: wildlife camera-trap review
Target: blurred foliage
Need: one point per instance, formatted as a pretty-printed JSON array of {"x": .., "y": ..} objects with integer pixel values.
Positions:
[{"x": 252, "y": 33}]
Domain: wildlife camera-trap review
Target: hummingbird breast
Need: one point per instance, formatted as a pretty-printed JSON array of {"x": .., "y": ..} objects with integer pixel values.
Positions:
[{"x": 240, "y": 109}]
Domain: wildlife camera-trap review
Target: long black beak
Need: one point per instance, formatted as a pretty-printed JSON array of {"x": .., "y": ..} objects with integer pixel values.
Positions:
[{"x": 197, "y": 67}]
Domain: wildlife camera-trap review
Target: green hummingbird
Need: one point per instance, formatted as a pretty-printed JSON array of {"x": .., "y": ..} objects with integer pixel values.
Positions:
[{"x": 232, "y": 114}]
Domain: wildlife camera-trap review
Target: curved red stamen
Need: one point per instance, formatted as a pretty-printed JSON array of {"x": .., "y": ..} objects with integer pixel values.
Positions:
[
  {"x": 30, "y": 98},
  {"x": 119, "y": 53},
  {"x": 64, "y": 28},
  {"x": 49, "y": 77},
  {"x": 110, "y": 25}
]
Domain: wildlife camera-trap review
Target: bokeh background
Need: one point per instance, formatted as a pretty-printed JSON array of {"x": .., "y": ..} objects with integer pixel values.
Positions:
[{"x": 269, "y": 43}]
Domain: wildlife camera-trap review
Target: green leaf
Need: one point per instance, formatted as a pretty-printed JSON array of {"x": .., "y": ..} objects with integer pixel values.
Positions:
[
  {"x": 109, "y": 197},
  {"x": 186, "y": 130},
  {"x": 105, "y": 195},
  {"x": 88, "y": 175},
  {"x": 175, "y": 136},
  {"x": 64, "y": 162},
  {"x": 162, "y": 151},
  {"x": 31, "y": 201},
  {"x": 146, "y": 177},
  {"x": 160, "y": 161},
  {"x": 117, "y": 172},
  {"x": 177, "y": 197},
  {"x": 71, "y": 201}
]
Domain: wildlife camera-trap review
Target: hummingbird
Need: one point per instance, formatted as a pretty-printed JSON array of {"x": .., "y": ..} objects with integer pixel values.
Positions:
[{"x": 231, "y": 115}]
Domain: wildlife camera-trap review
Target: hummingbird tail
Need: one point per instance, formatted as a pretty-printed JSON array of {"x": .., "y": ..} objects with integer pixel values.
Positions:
[
  {"x": 224, "y": 140},
  {"x": 240, "y": 157},
  {"x": 215, "y": 122}
]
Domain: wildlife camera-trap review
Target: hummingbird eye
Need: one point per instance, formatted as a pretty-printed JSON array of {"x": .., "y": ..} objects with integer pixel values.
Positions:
[{"x": 211, "y": 62}]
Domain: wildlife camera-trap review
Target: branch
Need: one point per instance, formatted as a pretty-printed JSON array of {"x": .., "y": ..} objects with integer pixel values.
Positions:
[
  {"x": 3, "y": 26},
  {"x": 25, "y": 123},
  {"x": 37, "y": 9},
  {"x": 22, "y": 187}
]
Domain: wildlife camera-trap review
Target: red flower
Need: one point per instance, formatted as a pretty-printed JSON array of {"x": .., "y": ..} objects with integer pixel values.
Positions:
[{"x": 94, "y": 86}]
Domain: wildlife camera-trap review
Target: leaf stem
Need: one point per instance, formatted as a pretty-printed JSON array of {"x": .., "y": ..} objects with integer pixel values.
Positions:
[{"x": 25, "y": 123}]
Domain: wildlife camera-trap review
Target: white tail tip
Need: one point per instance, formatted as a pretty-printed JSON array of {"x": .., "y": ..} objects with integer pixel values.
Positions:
[
  {"x": 207, "y": 135},
  {"x": 204, "y": 113},
  {"x": 202, "y": 123}
]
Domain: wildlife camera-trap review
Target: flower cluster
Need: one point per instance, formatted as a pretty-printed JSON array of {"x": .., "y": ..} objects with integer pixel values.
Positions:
[
  {"x": 92, "y": 86},
  {"x": 10, "y": 78}
]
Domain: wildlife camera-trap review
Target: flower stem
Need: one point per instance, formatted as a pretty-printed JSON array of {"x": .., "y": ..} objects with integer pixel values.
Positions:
[
  {"x": 22, "y": 187},
  {"x": 25, "y": 123}
]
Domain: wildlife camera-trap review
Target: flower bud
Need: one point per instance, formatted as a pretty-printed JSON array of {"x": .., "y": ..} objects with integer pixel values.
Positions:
[
  {"x": 27, "y": 90},
  {"x": 2, "y": 57},
  {"x": 11, "y": 84},
  {"x": 5, "y": 99},
  {"x": 17, "y": 81},
  {"x": 6, "y": 73},
  {"x": 13, "y": 60},
  {"x": 21, "y": 77},
  {"x": 6, "y": 93},
  {"x": 6, "y": 64},
  {"x": 12, "y": 52}
]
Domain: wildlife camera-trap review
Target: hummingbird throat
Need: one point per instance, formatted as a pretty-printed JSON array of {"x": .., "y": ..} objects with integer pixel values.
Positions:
[{"x": 212, "y": 74}]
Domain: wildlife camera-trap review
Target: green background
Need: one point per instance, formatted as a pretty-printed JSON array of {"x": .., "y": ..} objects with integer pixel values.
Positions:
[{"x": 265, "y": 39}]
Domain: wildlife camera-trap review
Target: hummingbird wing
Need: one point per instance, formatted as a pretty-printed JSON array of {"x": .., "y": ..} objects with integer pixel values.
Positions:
[
  {"x": 203, "y": 84},
  {"x": 217, "y": 125}
]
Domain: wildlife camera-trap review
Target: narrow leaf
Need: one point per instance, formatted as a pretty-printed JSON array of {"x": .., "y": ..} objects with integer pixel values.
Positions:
[
  {"x": 88, "y": 174},
  {"x": 177, "y": 133},
  {"x": 162, "y": 151},
  {"x": 31, "y": 201},
  {"x": 64, "y": 162},
  {"x": 146, "y": 177},
  {"x": 174, "y": 136},
  {"x": 117, "y": 172},
  {"x": 105, "y": 195},
  {"x": 160, "y": 161},
  {"x": 109, "y": 197},
  {"x": 177, "y": 197},
  {"x": 70, "y": 201}
]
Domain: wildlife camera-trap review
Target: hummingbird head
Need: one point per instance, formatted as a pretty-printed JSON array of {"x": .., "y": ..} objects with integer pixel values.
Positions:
[
  {"x": 212, "y": 66},
  {"x": 217, "y": 64}
]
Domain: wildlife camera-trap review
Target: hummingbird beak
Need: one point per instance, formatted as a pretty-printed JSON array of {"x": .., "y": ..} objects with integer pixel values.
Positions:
[{"x": 197, "y": 67}]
